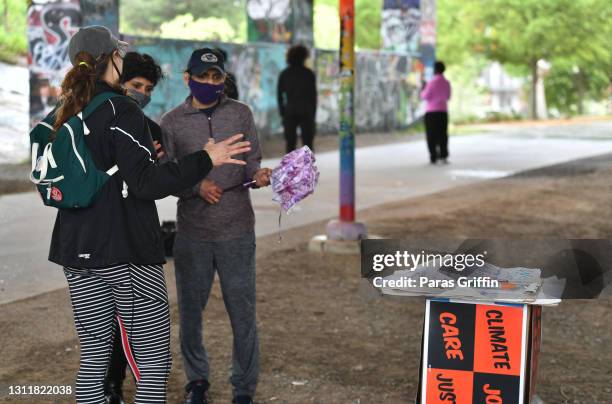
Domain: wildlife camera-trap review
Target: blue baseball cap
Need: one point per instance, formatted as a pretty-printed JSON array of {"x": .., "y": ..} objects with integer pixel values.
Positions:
[{"x": 204, "y": 59}]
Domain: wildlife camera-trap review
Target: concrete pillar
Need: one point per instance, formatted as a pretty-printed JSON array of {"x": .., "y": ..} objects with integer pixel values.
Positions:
[
  {"x": 51, "y": 24},
  {"x": 280, "y": 21}
]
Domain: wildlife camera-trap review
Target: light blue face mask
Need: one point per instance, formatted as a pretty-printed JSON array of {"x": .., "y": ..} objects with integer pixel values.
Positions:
[{"x": 142, "y": 99}]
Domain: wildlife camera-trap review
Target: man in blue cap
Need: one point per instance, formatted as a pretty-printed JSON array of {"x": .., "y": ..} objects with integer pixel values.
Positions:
[{"x": 215, "y": 226}]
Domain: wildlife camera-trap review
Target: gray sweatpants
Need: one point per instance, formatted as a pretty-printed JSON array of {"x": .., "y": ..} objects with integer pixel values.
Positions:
[{"x": 196, "y": 263}]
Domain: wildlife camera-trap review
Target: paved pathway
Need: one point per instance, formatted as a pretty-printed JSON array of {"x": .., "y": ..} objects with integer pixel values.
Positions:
[{"x": 385, "y": 173}]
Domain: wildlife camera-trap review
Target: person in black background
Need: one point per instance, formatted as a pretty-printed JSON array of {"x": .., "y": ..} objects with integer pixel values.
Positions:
[{"x": 297, "y": 98}]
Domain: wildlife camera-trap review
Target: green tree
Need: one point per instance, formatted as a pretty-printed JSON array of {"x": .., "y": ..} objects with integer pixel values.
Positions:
[
  {"x": 13, "y": 40},
  {"x": 326, "y": 27},
  {"x": 453, "y": 31},
  {"x": 211, "y": 28},
  {"x": 519, "y": 33},
  {"x": 158, "y": 12},
  {"x": 367, "y": 24},
  {"x": 568, "y": 85}
]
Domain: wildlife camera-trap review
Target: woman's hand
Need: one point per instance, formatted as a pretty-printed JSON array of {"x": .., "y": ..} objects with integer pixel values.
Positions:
[{"x": 222, "y": 152}]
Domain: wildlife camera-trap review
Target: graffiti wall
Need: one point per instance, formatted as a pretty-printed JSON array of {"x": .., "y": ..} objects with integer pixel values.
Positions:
[
  {"x": 51, "y": 24},
  {"x": 428, "y": 36},
  {"x": 386, "y": 83},
  {"x": 303, "y": 23},
  {"x": 101, "y": 12},
  {"x": 280, "y": 21},
  {"x": 256, "y": 68},
  {"x": 50, "y": 27},
  {"x": 327, "y": 70},
  {"x": 383, "y": 92},
  {"x": 386, "y": 90},
  {"x": 400, "y": 25}
]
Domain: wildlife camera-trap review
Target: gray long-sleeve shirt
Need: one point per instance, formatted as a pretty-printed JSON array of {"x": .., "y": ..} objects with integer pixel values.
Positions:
[{"x": 185, "y": 130}]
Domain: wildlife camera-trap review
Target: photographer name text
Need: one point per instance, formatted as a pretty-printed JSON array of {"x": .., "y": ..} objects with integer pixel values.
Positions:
[{"x": 425, "y": 282}]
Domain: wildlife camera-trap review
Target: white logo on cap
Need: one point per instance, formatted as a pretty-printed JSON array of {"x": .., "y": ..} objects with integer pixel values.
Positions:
[{"x": 209, "y": 58}]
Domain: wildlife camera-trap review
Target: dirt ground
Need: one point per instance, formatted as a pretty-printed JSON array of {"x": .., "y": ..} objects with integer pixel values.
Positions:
[{"x": 325, "y": 339}]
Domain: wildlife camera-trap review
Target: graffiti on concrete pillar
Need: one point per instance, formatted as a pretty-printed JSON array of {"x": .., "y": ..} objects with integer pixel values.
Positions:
[
  {"x": 101, "y": 12},
  {"x": 428, "y": 36},
  {"x": 400, "y": 25},
  {"x": 280, "y": 21},
  {"x": 327, "y": 70},
  {"x": 50, "y": 27},
  {"x": 51, "y": 24},
  {"x": 268, "y": 20},
  {"x": 257, "y": 70},
  {"x": 428, "y": 22},
  {"x": 303, "y": 22}
]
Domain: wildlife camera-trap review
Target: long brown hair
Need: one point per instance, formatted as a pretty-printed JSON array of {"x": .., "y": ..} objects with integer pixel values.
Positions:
[{"x": 79, "y": 85}]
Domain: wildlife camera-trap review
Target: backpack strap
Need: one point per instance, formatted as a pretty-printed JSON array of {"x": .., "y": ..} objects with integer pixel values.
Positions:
[{"x": 90, "y": 108}]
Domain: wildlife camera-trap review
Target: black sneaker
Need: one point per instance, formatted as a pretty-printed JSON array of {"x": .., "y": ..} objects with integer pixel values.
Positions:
[
  {"x": 242, "y": 400},
  {"x": 197, "y": 392},
  {"x": 113, "y": 393}
]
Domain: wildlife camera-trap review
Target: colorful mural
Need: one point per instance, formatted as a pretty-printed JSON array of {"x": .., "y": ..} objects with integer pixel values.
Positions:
[
  {"x": 51, "y": 24},
  {"x": 256, "y": 68},
  {"x": 386, "y": 90},
  {"x": 428, "y": 36},
  {"x": 280, "y": 21},
  {"x": 101, "y": 12},
  {"x": 50, "y": 27},
  {"x": 386, "y": 83},
  {"x": 401, "y": 25}
]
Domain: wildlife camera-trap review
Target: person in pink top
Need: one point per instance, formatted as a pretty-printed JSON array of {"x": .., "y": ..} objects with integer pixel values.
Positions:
[{"x": 436, "y": 93}]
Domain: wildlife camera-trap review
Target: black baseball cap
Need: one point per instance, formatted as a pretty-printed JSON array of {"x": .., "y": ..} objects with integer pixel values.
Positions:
[{"x": 204, "y": 59}]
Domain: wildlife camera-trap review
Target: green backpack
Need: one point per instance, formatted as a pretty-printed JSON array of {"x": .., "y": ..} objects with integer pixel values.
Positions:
[{"x": 62, "y": 169}]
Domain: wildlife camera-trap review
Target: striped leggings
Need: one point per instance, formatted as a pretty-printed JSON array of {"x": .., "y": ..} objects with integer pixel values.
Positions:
[{"x": 137, "y": 295}]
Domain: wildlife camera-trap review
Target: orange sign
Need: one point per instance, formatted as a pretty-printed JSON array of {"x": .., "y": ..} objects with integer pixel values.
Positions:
[
  {"x": 449, "y": 386},
  {"x": 474, "y": 353},
  {"x": 498, "y": 337}
]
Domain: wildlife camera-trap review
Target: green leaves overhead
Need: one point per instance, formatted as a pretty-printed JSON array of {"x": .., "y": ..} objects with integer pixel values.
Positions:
[
  {"x": 572, "y": 35},
  {"x": 145, "y": 17}
]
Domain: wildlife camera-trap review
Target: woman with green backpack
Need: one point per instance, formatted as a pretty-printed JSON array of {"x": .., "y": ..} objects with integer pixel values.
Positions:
[{"x": 112, "y": 250}]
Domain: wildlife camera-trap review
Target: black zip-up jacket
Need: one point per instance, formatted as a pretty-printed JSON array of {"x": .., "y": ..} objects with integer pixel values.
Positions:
[{"x": 115, "y": 229}]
